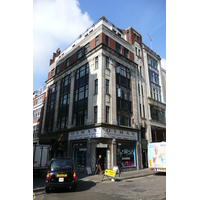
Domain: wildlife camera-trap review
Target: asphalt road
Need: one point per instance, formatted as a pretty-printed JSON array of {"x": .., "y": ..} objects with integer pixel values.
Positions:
[{"x": 151, "y": 187}]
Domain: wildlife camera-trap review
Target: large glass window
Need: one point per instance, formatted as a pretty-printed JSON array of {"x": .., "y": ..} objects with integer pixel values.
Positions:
[
  {"x": 50, "y": 107},
  {"x": 81, "y": 96},
  {"x": 64, "y": 103},
  {"x": 152, "y": 62},
  {"x": 79, "y": 153},
  {"x": 158, "y": 114},
  {"x": 126, "y": 154}
]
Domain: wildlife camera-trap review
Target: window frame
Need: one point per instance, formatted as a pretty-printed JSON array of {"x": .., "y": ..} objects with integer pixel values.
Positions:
[
  {"x": 97, "y": 40},
  {"x": 96, "y": 62},
  {"x": 96, "y": 86}
]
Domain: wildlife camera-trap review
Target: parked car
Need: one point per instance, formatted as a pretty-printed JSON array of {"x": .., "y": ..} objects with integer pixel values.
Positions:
[{"x": 61, "y": 173}]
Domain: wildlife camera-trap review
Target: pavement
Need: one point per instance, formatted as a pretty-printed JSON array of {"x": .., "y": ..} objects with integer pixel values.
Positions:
[{"x": 39, "y": 181}]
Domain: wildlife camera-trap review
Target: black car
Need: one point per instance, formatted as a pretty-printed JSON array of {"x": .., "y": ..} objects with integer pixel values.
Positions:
[{"x": 61, "y": 173}]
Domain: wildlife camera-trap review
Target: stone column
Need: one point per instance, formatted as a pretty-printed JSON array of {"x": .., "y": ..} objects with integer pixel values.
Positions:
[
  {"x": 88, "y": 164},
  {"x": 113, "y": 100},
  {"x": 114, "y": 153}
]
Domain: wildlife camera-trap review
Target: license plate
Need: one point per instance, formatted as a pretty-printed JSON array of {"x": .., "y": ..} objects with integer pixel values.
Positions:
[
  {"x": 61, "y": 175},
  {"x": 61, "y": 180},
  {"x": 161, "y": 169}
]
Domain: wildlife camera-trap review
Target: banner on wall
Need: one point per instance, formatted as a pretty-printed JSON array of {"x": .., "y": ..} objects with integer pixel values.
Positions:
[{"x": 103, "y": 133}]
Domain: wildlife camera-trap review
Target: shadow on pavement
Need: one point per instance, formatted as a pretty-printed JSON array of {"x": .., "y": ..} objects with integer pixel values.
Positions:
[
  {"x": 161, "y": 174},
  {"x": 81, "y": 186}
]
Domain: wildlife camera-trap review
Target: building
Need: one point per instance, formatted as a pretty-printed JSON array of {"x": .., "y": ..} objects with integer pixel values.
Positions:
[
  {"x": 38, "y": 106},
  {"x": 155, "y": 78},
  {"x": 92, "y": 101}
]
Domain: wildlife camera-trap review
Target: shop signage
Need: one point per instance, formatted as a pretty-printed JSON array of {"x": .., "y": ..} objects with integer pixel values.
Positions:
[
  {"x": 103, "y": 132},
  {"x": 89, "y": 171},
  {"x": 100, "y": 145},
  {"x": 109, "y": 172}
]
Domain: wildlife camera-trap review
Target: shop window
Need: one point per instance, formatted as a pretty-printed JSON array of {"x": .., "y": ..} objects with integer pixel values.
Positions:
[
  {"x": 79, "y": 153},
  {"x": 126, "y": 155}
]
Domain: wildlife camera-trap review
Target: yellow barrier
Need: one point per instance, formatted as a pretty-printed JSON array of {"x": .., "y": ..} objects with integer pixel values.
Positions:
[{"x": 109, "y": 172}]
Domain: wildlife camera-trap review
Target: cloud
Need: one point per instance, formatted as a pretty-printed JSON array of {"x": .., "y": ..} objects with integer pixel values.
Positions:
[
  {"x": 56, "y": 23},
  {"x": 163, "y": 63}
]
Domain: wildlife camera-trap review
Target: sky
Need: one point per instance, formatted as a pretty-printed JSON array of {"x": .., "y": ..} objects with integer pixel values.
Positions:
[{"x": 57, "y": 23}]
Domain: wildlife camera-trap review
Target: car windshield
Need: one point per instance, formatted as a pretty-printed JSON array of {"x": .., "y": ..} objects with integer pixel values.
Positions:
[{"x": 61, "y": 164}]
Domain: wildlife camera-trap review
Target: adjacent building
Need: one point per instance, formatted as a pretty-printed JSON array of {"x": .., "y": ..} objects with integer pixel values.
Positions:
[
  {"x": 98, "y": 101},
  {"x": 38, "y": 105}
]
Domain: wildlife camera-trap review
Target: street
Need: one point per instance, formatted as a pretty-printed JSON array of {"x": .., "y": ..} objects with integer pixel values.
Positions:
[{"x": 151, "y": 187}]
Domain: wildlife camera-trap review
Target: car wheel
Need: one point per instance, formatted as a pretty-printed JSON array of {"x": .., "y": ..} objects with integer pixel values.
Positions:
[{"x": 47, "y": 190}]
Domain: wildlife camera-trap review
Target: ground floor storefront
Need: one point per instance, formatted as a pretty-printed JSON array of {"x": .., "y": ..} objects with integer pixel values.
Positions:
[{"x": 117, "y": 147}]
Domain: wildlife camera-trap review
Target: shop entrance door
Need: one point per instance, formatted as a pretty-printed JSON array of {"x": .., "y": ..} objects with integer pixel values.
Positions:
[
  {"x": 144, "y": 160},
  {"x": 102, "y": 152}
]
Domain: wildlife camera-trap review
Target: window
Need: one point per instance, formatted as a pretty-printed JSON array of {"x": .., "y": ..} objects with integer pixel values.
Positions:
[
  {"x": 157, "y": 114},
  {"x": 82, "y": 71},
  {"x": 50, "y": 107},
  {"x": 143, "y": 112},
  {"x": 137, "y": 71},
  {"x": 107, "y": 62},
  {"x": 57, "y": 69},
  {"x": 142, "y": 90},
  {"x": 139, "y": 52},
  {"x": 140, "y": 71},
  {"x": 107, "y": 86},
  {"x": 97, "y": 40},
  {"x": 96, "y": 86},
  {"x": 79, "y": 53},
  {"x": 136, "y": 51},
  {"x": 118, "y": 47},
  {"x": 87, "y": 48},
  {"x": 140, "y": 110},
  {"x": 126, "y": 52},
  {"x": 107, "y": 114},
  {"x": 35, "y": 130},
  {"x": 38, "y": 100},
  {"x": 64, "y": 103},
  {"x": 37, "y": 114},
  {"x": 95, "y": 114},
  {"x": 107, "y": 38},
  {"x": 81, "y": 95},
  {"x": 52, "y": 72},
  {"x": 68, "y": 62},
  {"x": 96, "y": 62},
  {"x": 86, "y": 91},
  {"x": 139, "y": 88}
]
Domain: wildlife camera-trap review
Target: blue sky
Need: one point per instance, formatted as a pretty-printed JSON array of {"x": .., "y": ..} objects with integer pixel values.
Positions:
[{"x": 57, "y": 23}]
